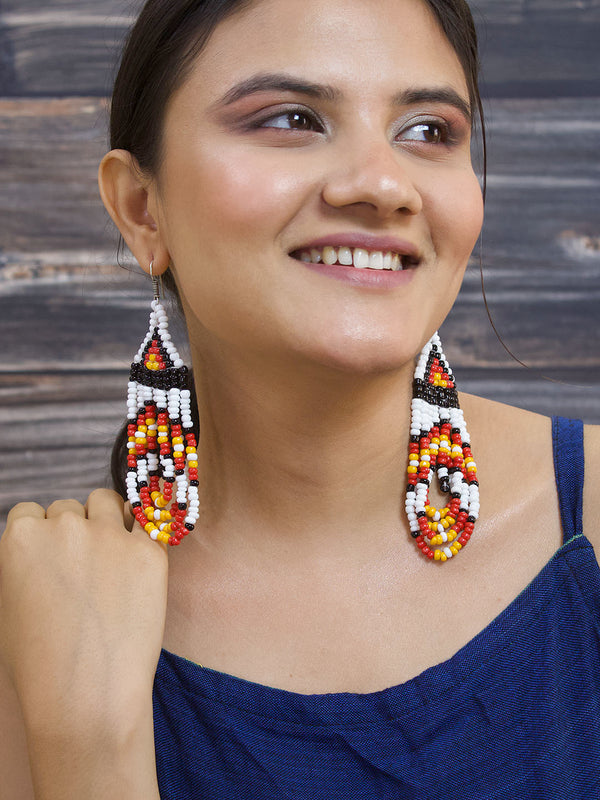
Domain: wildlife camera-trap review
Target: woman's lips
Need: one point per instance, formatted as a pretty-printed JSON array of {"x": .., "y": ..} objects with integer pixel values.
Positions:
[
  {"x": 361, "y": 259},
  {"x": 363, "y": 277},
  {"x": 351, "y": 241},
  {"x": 356, "y": 257}
]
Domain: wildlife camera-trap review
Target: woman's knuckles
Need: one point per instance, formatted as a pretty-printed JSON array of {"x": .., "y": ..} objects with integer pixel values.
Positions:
[{"x": 105, "y": 590}]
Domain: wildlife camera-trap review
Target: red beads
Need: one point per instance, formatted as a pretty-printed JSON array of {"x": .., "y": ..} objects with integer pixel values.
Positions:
[{"x": 439, "y": 447}]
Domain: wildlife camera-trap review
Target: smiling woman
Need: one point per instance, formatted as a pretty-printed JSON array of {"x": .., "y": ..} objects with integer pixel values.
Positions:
[{"x": 300, "y": 175}]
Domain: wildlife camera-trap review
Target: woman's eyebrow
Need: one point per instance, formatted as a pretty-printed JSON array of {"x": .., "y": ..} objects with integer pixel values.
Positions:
[
  {"x": 278, "y": 81},
  {"x": 443, "y": 94}
]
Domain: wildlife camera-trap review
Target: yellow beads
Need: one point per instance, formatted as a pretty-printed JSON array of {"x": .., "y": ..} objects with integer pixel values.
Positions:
[
  {"x": 439, "y": 539},
  {"x": 158, "y": 499}
]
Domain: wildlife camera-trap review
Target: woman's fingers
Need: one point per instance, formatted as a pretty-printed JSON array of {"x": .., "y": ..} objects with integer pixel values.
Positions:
[
  {"x": 59, "y": 507},
  {"x": 103, "y": 505},
  {"x": 128, "y": 516},
  {"x": 106, "y": 505},
  {"x": 110, "y": 508},
  {"x": 25, "y": 510}
]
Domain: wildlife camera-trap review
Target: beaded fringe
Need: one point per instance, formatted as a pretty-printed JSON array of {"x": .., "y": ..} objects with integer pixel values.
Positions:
[
  {"x": 440, "y": 444},
  {"x": 161, "y": 443}
]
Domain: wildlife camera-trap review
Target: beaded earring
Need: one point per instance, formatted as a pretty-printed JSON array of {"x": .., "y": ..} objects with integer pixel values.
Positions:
[
  {"x": 161, "y": 445},
  {"x": 439, "y": 443}
]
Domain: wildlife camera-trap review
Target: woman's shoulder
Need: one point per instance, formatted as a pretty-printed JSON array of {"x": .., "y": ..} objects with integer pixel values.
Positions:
[
  {"x": 527, "y": 437},
  {"x": 518, "y": 423},
  {"x": 500, "y": 426},
  {"x": 591, "y": 495}
]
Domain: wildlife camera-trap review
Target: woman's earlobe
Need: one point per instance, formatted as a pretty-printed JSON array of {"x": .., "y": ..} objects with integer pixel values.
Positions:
[{"x": 125, "y": 194}]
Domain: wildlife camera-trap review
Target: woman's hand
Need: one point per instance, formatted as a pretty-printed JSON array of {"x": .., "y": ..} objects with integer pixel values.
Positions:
[{"x": 82, "y": 613}]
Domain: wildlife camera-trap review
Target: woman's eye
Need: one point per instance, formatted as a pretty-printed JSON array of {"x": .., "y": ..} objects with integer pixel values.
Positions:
[
  {"x": 293, "y": 120},
  {"x": 428, "y": 132}
]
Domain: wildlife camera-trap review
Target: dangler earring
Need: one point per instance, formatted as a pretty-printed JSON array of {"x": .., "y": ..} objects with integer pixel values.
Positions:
[
  {"x": 439, "y": 443},
  {"x": 161, "y": 445}
]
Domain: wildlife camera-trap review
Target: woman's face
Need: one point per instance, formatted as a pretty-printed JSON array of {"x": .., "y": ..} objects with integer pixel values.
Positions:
[{"x": 304, "y": 125}]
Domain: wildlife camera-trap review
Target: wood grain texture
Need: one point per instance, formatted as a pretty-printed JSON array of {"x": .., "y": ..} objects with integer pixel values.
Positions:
[
  {"x": 60, "y": 50},
  {"x": 517, "y": 11},
  {"x": 533, "y": 49},
  {"x": 49, "y": 155},
  {"x": 102, "y": 8},
  {"x": 56, "y": 436}
]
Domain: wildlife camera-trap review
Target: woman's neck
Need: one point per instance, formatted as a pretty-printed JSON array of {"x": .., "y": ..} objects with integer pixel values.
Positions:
[{"x": 295, "y": 456}]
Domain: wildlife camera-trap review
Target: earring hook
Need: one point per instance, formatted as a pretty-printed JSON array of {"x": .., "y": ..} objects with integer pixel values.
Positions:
[{"x": 155, "y": 281}]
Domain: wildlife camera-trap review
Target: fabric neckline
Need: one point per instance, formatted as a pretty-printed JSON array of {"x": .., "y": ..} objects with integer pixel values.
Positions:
[{"x": 440, "y": 683}]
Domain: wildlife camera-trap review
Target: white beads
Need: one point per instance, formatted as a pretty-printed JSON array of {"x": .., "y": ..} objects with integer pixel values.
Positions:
[
  {"x": 435, "y": 406},
  {"x": 152, "y": 480}
]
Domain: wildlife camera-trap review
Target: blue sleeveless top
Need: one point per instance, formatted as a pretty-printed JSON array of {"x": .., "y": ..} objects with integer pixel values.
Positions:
[{"x": 515, "y": 714}]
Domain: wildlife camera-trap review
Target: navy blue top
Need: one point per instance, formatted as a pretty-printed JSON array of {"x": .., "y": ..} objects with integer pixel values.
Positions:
[{"x": 515, "y": 714}]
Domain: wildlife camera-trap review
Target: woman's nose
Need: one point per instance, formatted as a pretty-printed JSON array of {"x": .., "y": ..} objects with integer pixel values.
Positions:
[{"x": 373, "y": 176}]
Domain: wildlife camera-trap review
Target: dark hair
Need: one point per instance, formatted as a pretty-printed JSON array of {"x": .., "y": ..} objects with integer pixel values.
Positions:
[{"x": 158, "y": 55}]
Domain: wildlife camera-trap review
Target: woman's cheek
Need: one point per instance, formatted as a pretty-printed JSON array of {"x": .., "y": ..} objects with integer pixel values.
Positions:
[
  {"x": 469, "y": 212},
  {"x": 253, "y": 195},
  {"x": 456, "y": 215}
]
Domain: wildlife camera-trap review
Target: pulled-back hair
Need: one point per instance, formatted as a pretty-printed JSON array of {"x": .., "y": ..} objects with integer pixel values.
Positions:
[{"x": 158, "y": 55}]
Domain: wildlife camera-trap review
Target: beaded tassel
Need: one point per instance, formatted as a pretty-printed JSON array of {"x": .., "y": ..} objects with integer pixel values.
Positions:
[
  {"x": 439, "y": 443},
  {"x": 161, "y": 443}
]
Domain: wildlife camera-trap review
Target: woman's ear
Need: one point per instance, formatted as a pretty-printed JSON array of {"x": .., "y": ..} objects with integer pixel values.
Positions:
[{"x": 125, "y": 195}]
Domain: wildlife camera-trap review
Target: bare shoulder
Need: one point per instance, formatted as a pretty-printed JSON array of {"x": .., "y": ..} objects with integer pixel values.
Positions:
[
  {"x": 591, "y": 496},
  {"x": 14, "y": 760},
  {"x": 508, "y": 425},
  {"x": 519, "y": 501},
  {"x": 499, "y": 429}
]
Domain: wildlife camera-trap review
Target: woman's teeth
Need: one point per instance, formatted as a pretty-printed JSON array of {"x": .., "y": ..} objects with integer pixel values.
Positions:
[{"x": 353, "y": 257}]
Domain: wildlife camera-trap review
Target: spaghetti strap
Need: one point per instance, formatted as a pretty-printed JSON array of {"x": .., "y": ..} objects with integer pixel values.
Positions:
[{"x": 567, "y": 445}]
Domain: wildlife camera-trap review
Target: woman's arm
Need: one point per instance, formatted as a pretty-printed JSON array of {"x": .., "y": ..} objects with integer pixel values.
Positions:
[
  {"x": 68, "y": 769},
  {"x": 113, "y": 760},
  {"x": 14, "y": 761},
  {"x": 82, "y": 609}
]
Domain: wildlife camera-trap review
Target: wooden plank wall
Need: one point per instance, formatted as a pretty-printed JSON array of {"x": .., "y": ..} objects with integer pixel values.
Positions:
[{"x": 70, "y": 320}]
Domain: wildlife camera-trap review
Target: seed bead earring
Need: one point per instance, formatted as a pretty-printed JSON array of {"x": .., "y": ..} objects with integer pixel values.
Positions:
[
  {"x": 439, "y": 443},
  {"x": 161, "y": 445}
]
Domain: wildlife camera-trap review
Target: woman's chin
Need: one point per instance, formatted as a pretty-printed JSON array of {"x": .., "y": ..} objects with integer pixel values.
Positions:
[{"x": 363, "y": 358}]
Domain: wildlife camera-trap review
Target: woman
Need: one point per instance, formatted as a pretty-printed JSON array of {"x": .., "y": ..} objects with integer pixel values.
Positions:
[{"x": 263, "y": 151}]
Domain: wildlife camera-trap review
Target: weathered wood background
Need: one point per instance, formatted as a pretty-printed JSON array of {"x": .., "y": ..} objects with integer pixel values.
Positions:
[{"x": 70, "y": 320}]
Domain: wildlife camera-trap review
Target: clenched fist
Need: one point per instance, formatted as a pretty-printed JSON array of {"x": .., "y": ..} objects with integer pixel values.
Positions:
[{"x": 82, "y": 614}]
